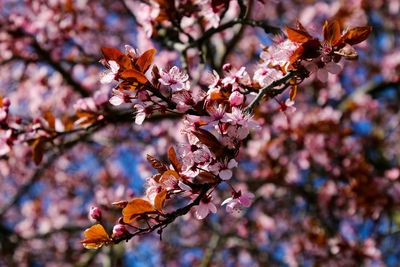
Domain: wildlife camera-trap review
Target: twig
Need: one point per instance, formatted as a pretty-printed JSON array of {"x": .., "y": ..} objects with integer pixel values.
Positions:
[{"x": 267, "y": 90}]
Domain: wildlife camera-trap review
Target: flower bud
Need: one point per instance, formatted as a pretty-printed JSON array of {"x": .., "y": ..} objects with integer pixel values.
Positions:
[
  {"x": 236, "y": 98},
  {"x": 6, "y": 102},
  {"x": 95, "y": 213},
  {"x": 119, "y": 230}
]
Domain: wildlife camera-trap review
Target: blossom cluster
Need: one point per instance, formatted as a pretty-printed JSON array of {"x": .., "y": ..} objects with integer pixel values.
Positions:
[{"x": 217, "y": 121}]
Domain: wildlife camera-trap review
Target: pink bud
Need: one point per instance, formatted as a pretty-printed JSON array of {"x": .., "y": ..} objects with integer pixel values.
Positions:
[
  {"x": 6, "y": 102},
  {"x": 95, "y": 213},
  {"x": 119, "y": 230},
  {"x": 236, "y": 98}
]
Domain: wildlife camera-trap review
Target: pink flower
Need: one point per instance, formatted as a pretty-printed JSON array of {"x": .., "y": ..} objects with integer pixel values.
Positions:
[
  {"x": 95, "y": 213},
  {"x": 174, "y": 78},
  {"x": 184, "y": 100},
  {"x": 132, "y": 52},
  {"x": 216, "y": 113},
  {"x": 279, "y": 53},
  {"x": 265, "y": 76},
  {"x": 237, "y": 117},
  {"x": 322, "y": 73},
  {"x": 235, "y": 76},
  {"x": 224, "y": 169},
  {"x": 236, "y": 98},
  {"x": 140, "y": 114},
  {"x": 288, "y": 106},
  {"x": 237, "y": 201},
  {"x": 5, "y": 140},
  {"x": 204, "y": 208},
  {"x": 109, "y": 75}
]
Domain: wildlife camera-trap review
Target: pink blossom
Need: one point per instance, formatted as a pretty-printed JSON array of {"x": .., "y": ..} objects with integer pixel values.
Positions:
[
  {"x": 109, "y": 75},
  {"x": 174, "y": 78},
  {"x": 140, "y": 114},
  {"x": 5, "y": 137},
  {"x": 237, "y": 201},
  {"x": 204, "y": 208},
  {"x": 132, "y": 52},
  {"x": 236, "y": 98},
  {"x": 224, "y": 169},
  {"x": 279, "y": 53},
  {"x": 265, "y": 76},
  {"x": 184, "y": 100},
  {"x": 235, "y": 76},
  {"x": 237, "y": 117},
  {"x": 322, "y": 73}
]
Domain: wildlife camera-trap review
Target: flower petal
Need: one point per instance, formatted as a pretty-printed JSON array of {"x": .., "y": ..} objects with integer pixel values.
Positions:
[
  {"x": 333, "y": 68},
  {"x": 116, "y": 100},
  {"x": 225, "y": 174},
  {"x": 322, "y": 75}
]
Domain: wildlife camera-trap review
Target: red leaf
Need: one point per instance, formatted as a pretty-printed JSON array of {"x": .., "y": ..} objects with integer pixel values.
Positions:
[
  {"x": 51, "y": 120},
  {"x": 332, "y": 32},
  {"x": 159, "y": 200},
  {"x": 144, "y": 61},
  {"x": 356, "y": 35},
  {"x": 298, "y": 35},
  {"x": 174, "y": 159},
  {"x": 293, "y": 92},
  {"x": 95, "y": 237},
  {"x": 205, "y": 178},
  {"x": 38, "y": 149},
  {"x": 111, "y": 53},
  {"x": 134, "y": 75},
  {"x": 135, "y": 207},
  {"x": 210, "y": 141},
  {"x": 157, "y": 164}
]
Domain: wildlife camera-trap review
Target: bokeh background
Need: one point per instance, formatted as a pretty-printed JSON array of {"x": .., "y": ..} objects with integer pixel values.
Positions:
[{"x": 326, "y": 179}]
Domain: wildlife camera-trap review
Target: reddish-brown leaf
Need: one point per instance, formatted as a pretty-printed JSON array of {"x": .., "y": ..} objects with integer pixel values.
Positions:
[
  {"x": 124, "y": 62},
  {"x": 38, "y": 149},
  {"x": 144, "y": 61},
  {"x": 210, "y": 141},
  {"x": 159, "y": 200},
  {"x": 332, "y": 32},
  {"x": 134, "y": 75},
  {"x": 293, "y": 92},
  {"x": 135, "y": 207},
  {"x": 205, "y": 178},
  {"x": 296, "y": 55},
  {"x": 174, "y": 159},
  {"x": 111, "y": 53},
  {"x": 157, "y": 164},
  {"x": 51, "y": 120},
  {"x": 95, "y": 237},
  {"x": 298, "y": 35},
  {"x": 166, "y": 176},
  {"x": 356, "y": 35}
]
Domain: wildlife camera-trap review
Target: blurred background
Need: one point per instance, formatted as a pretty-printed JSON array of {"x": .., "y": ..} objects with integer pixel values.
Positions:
[{"x": 326, "y": 178}]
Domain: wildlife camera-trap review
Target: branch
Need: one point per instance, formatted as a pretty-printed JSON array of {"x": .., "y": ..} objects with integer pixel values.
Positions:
[
  {"x": 46, "y": 56},
  {"x": 169, "y": 217},
  {"x": 270, "y": 90},
  {"x": 254, "y": 23}
]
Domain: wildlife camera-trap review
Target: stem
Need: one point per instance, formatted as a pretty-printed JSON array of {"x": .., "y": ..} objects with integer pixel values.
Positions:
[{"x": 267, "y": 90}]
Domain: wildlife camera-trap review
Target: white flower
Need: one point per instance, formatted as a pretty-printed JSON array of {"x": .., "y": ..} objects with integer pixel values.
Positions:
[{"x": 109, "y": 75}]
